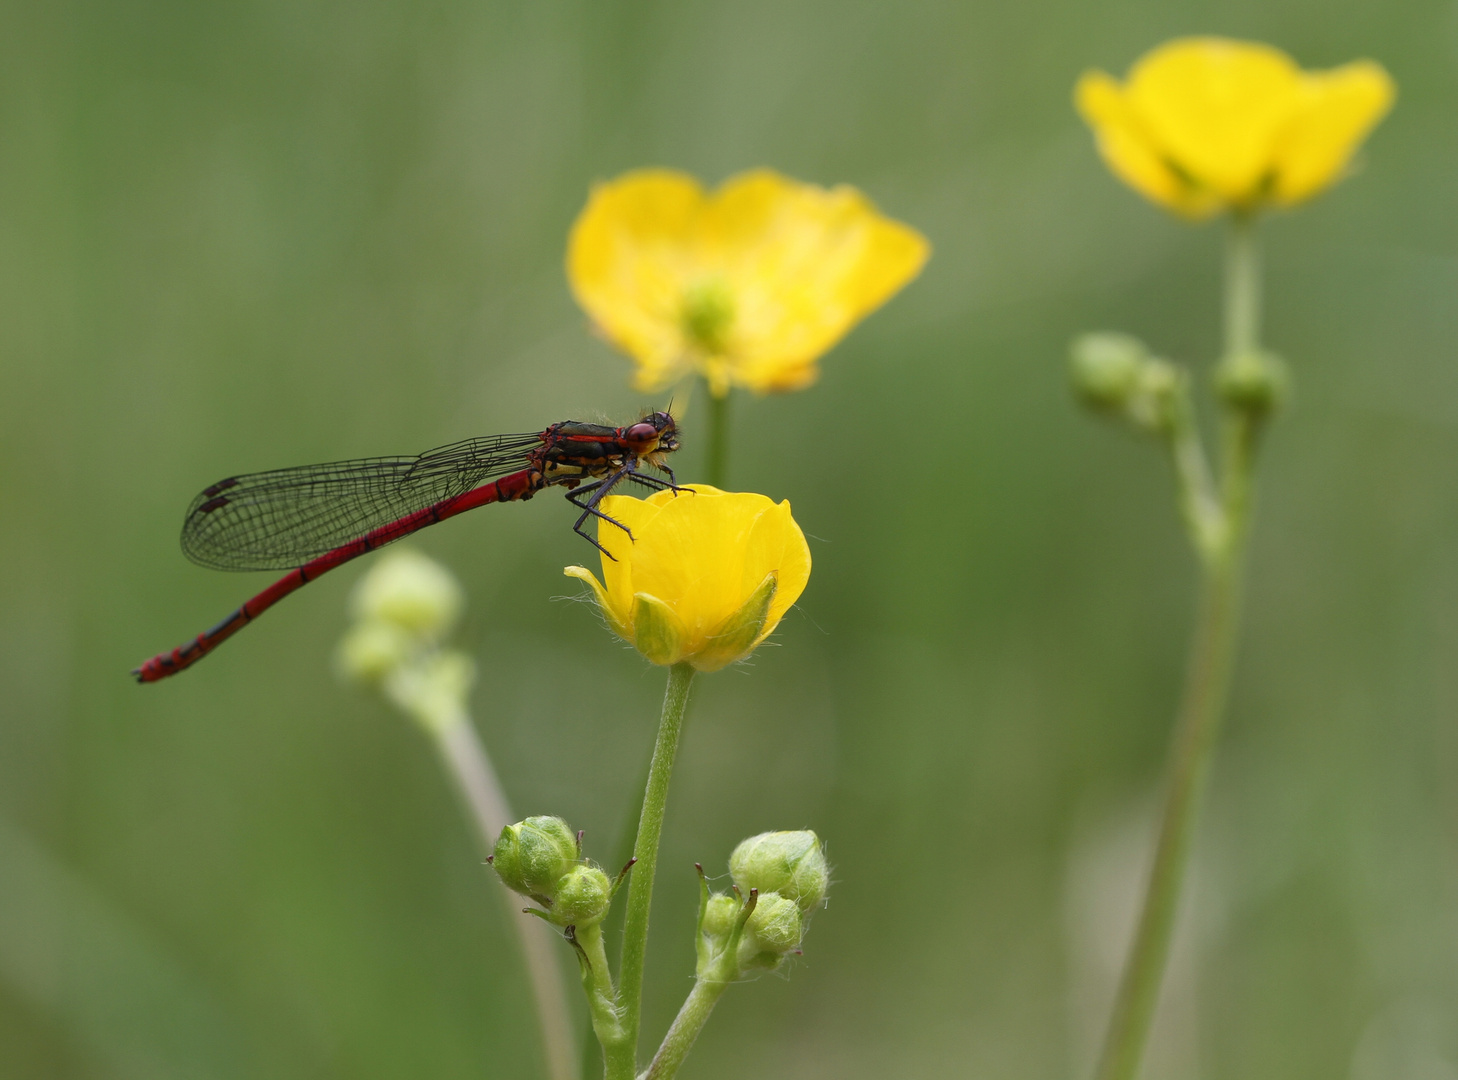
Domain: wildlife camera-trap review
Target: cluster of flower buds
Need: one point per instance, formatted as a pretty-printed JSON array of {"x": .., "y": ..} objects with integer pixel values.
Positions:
[
  {"x": 1117, "y": 374},
  {"x": 541, "y": 858},
  {"x": 779, "y": 879},
  {"x": 403, "y": 608}
]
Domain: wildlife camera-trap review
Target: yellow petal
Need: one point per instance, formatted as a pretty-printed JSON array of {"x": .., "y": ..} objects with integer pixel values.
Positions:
[
  {"x": 1129, "y": 151},
  {"x": 690, "y": 559},
  {"x": 804, "y": 265},
  {"x": 1215, "y": 107},
  {"x": 776, "y": 544},
  {"x": 748, "y": 286},
  {"x": 1342, "y": 106},
  {"x": 617, "y": 619},
  {"x": 629, "y": 259},
  {"x": 617, "y": 564}
]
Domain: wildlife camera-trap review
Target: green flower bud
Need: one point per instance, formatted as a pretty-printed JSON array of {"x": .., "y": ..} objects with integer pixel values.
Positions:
[
  {"x": 1116, "y": 373},
  {"x": 370, "y": 651},
  {"x": 720, "y": 915},
  {"x": 1105, "y": 368},
  {"x": 411, "y": 591},
  {"x": 774, "y": 923},
  {"x": 774, "y": 929},
  {"x": 532, "y": 856},
  {"x": 582, "y": 897},
  {"x": 1253, "y": 382},
  {"x": 1156, "y": 395},
  {"x": 791, "y": 864}
]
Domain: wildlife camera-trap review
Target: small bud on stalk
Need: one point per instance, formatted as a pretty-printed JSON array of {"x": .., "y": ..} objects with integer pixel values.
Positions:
[
  {"x": 1117, "y": 374},
  {"x": 582, "y": 897},
  {"x": 1105, "y": 368},
  {"x": 411, "y": 591},
  {"x": 773, "y": 930},
  {"x": 791, "y": 864},
  {"x": 534, "y": 855},
  {"x": 1255, "y": 382},
  {"x": 541, "y": 858}
]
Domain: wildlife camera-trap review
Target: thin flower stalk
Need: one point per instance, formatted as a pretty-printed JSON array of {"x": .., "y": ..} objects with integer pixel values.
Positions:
[
  {"x": 469, "y": 767},
  {"x": 717, "y": 466},
  {"x": 621, "y": 1058},
  {"x": 1207, "y": 678}
]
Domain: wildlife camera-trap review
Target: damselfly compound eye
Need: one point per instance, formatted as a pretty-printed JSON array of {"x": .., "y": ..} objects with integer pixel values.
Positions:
[{"x": 641, "y": 433}]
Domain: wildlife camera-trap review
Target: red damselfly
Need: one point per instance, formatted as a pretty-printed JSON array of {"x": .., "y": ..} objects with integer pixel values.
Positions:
[{"x": 316, "y": 517}]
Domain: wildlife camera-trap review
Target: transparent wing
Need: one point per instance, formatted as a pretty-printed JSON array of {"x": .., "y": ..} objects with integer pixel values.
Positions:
[{"x": 281, "y": 519}]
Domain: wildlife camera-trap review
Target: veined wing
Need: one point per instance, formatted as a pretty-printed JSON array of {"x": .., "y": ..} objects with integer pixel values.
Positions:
[{"x": 281, "y": 519}]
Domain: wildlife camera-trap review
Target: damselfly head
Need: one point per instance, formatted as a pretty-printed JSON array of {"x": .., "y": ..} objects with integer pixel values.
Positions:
[{"x": 656, "y": 433}]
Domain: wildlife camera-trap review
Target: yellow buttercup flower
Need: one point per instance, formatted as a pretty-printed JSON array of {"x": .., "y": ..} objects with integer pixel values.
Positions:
[
  {"x": 706, "y": 576},
  {"x": 749, "y": 285},
  {"x": 1206, "y": 124}
]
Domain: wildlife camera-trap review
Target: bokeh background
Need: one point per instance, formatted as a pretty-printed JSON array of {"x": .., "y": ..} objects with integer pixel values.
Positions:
[{"x": 242, "y": 234}]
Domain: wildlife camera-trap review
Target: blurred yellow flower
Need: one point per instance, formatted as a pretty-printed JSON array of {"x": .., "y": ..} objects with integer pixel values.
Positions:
[
  {"x": 1205, "y": 124},
  {"x": 749, "y": 285},
  {"x": 706, "y": 577}
]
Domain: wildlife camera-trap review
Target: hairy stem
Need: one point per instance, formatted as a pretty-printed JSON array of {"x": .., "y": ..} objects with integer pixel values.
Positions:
[
  {"x": 622, "y": 1059},
  {"x": 686, "y": 1027},
  {"x": 597, "y": 981}
]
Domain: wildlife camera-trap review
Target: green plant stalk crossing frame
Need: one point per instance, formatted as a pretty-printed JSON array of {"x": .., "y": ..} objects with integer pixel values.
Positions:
[
  {"x": 621, "y": 1057},
  {"x": 1219, "y": 524}
]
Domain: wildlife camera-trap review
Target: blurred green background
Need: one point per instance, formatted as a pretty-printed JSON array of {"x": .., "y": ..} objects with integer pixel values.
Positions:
[{"x": 241, "y": 235}]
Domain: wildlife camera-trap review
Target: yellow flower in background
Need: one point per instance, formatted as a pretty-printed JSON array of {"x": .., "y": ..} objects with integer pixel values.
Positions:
[
  {"x": 706, "y": 577},
  {"x": 749, "y": 285},
  {"x": 1206, "y": 124}
]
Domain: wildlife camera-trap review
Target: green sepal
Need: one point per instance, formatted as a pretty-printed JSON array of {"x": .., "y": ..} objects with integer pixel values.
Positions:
[
  {"x": 657, "y": 631},
  {"x": 740, "y": 632}
]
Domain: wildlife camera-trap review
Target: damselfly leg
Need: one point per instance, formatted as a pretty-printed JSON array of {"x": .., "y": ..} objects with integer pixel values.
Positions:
[{"x": 587, "y": 498}]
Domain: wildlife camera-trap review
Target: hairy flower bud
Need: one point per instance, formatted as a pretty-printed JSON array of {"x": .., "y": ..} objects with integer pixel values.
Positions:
[
  {"x": 582, "y": 897},
  {"x": 532, "y": 856},
  {"x": 1117, "y": 374},
  {"x": 1254, "y": 382},
  {"x": 371, "y": 650},
  {"x": 721, "y": 912},
  {"x": 774, "y": 924},
  {"x": 411, "y": 591},
  {"x": 1105, "y": 368},
  {"x": 791, "y": 864}
]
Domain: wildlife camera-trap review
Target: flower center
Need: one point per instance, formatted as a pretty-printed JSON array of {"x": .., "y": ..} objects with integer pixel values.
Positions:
[{"x": 707, "y": 314}]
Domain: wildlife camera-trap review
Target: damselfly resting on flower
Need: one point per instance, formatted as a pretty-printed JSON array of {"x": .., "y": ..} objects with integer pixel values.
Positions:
[{"x": 316, "y": 517}]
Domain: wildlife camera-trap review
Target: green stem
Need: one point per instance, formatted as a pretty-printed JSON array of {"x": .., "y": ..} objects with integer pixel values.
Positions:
[
  {"x": 622, "y": 1058},
  {"x": 1242, "y": 286},
  {"x": 1199, "y": 503},
  {"x": 622, "y": 852},
  {"x": 1200, "y": 713},
  {"x": 717, "y": 464},
  {"x": 686, "y": 1027},
  {"x": 1220, "y": 543},
  {"x": 597, "y": 981}
]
